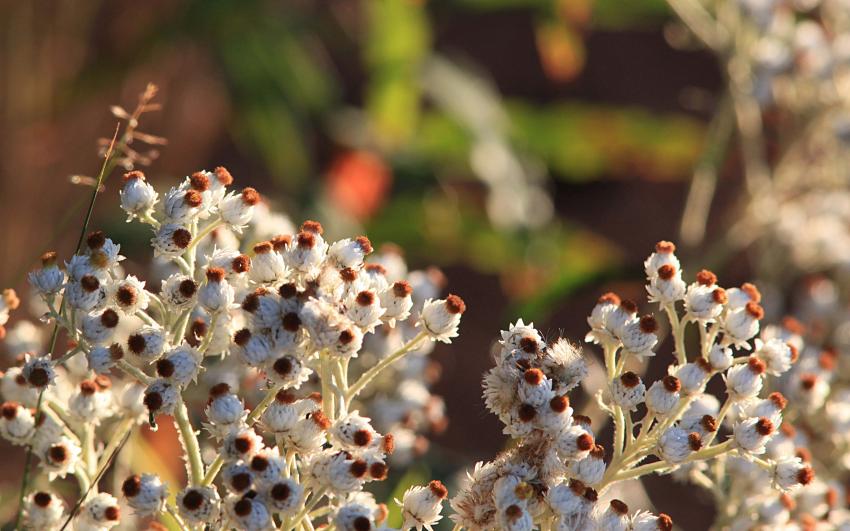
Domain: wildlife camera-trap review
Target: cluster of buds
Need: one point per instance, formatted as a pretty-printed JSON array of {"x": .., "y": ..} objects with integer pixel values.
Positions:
[
  {"x": 249, "y": 311},
  {"x": 558, "y": 475}
]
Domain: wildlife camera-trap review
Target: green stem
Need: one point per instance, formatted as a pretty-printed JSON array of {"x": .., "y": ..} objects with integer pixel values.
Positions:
[{"x": 190, "y": 443}]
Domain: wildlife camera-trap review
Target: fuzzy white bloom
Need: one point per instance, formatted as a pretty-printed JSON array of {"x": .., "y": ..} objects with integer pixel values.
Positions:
[
  {"x": 99, "y": 327},
  {"x": 790, "y": 473},
  {"x": 285, "y": 496},
  {"x": 180, "y": 366},
  {"x": 440, "y": 318},
  {"x": 664, "y": 255},
  {"x": 145, "y": 494},
  {"x": 663, "y": 396},
  {"x": 397, "y": 301},
  {"x": 38, "y": 371},
  {"x": 421, "y": 506},
  {"x": 17, "y": 424},
  {"x": 268, "y": 265},
  {"x": 751, "y": 434},
  {"x": 179, "y": 291},
  {"x": 720, "y": 358},
  {"x": 364, "y": 310},
  {"x": 138, "y": 197},
  {"x": 170, "y": 240},
  {"x": 48, "y": 280},
  {"x": 675, "y": 444},
  {"x": 615, "y": 517},
  {"x": 237, "y": 209},
  {"x": 43, "y": 510},
  {"x": 628, "y": 390},
  {"x": 199, "y": 505},
  {"x": 744, "y": 381},
  {"x": 216, "y": 295},
  {"x": 742, "y": 324},
  {"x": 590, "y": 469},
  {"x": 100, "y": 511},
  {"x": 306, "y": 254},
  {"x": 693, "y": 376},
  {"x": 129, "y": 295},
  {"x": 638, "y": 337},
  {"x": 250, "y": 514},
  {"x": 704, "y": 300},
  {"x": 242, "y": 443},
  {"x": 350, "y": 253},
  {"x": 161, "y": 397},
  {"x": 645, "y": 521},
  {"x": 87, "y": 294}
]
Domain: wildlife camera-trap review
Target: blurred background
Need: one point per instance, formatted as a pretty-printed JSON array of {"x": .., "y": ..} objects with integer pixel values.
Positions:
[{"x": 534, "y": 150}]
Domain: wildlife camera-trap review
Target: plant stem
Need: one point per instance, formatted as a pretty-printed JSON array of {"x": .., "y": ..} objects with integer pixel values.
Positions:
[{"x": 190, "y": 443}]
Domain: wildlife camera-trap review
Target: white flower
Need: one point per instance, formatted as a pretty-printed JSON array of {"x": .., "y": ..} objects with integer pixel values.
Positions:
[
  {"x": 181, "y": 204},
  {"x": 440, "y": 318},
  {"x": 639, "y": 337},
  {"x": 145, "y": 494},
  {"x": 171, "y": 240},
  {"x": 224, "y": 411},
  {"x": 574, "y": 443},
  {"x": 100, "y": 511},
  {"x": 675, "y": 444},
  {"x": 704, "y": 300},
  {"x": 776, "y": 354},
  {"x": 282, "y": 415},
  {"x": 751, "y": 434},
  {"x": 308, "y": 251},
  {"x": 398, "y": 302},
  {"x": 693, "y": 376},
  {"x": 565, "y": 364},
  {"x": 48, "y": 280},
  {"x": 138, "y": 197},
  {"x": 790, "y": 473},
  {"x": 216, "y": 295},
  {"x": 285, "y": 496},
  {"x": 199, "y": 505},
  {"x": 44, "y": 511},
  {"x": 180, "y": 366},
  {"x": 591, "y": 468},
  {"x": 350, "y": 253},
  {"x": 720, "y": 358},
  {"x": 744, "y": 381},
  {"x": 644, "y": 521},
  {"x": 364, "y": 310},
  {"x": 267, "y": 265},
  {"x": 421, "y": 506},
  {"x": 628, "y": 390},
  {"x": 38, "y": 371},
  {"x": 740, "y": 297},
  {"x": 242, "y": 444},
  {"x": 742, "y": 324},
  {"x": 61, "y": 457},
  {"x": 161, "y": 397},
  {"x": 663, "y": 255},
  {"x": 237, "y": 209},
  {"x": 87, "y": 294},
  {"x": 129, "y": 295},
  {"x": 99, "y": 327},
  {"x": 17, "y": 424},
  {"x": 90, "y": 402},
  {"x": 663, "y": 396},
  {"x": 147, "y": 343},
  {"x": 178, "y": 291},
  {"x": 614, "y": 518},
  {"x": 101, "y": 359},
  {"x": 288, "y": 371}
]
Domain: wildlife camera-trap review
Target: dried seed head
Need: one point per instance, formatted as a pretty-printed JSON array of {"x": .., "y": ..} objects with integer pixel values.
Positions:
[
  {"x": 251, "y": 302},
  {"x": 306, "y": 240},
  {"x": 534, "y": 376},
  {"x": 708, "y": 423},
  {"x": 112, "y": 513},
  {"x": 215, "y": 274},
  {"x": 609, "y": 298},
  {"x": 199, "y": 181},
  {"x": 455, "y": 304},
  {"x": 193, "y": 500},
  {"x": 529, "y": 345},
  {"x": 808, "y": 381},
  {"x": 287, "y": 291},
  {"x": 346, "y": 337},
  {"x": 559, "y": 404},
  {"x": 42, "y": 499},
  {"x": 402, "y": 288},
  {"x": 805, "y": 475},
  {"x": 241, "y": 264},
  {"x": 243, "y": 443},
  {"x": 187, "y": 288},
  {"x": 283, "y": 366},
  {"x": 281, "y": 242},
  {"x": 665, "y": 523},
  {"x": 38, "y": 377},
  {"x": 764, "y": 426},
  {"x": 153, "y": 401},
  {"x": 362, "y": 437},
  {"x": 321, "y": 420},
  {"x": 365, "y": 298},
  {"x": 181, "y": 238},
  {"x": 378, "y": 470},
  {"x": 706, "y": 278},
  {"x": 630, "y": 380},
  {"x": 243, "y": 507},
  {"x": 629, "y": 306},
  {"x": 755, "y": 310},
  {"x": 388, "y": 444},
  {"x": 136, "y": 343},
  {"x": 259, "y": 463},
  {"x": 666, "y": 272},
  {"x": 135, "y": 174},
  {"x": 648, "y": 324},
  {"x": 313, "y": 227},
  {"x": 285, "y": 396},
  {"x": 361, "y": 523},
  {"x": 597, "y": 452},
  {"x": 364, "y": 243},
  {"x": 527, "y": 412},
  {"x": 241, "y": 337},
  {"x": 90, "y": 283},
  {"x": 359, "y": 468},
  {"x": 671, "y": 383},
  {"x": 58, "y": 453},
  {"x": 619, "y": 507},
  {"x": 193, "y": 198},
  {"x": 756, "y": 365},
  {"x": 280, "y": 492},
  {"x": 513, "y": 512},
  {"x": 88, "y": 387},
  {"x": 694, "y": 441},
  {"x": 219, "y": 389},
  {"x": 223, "y": 176},
  {"x": 250, "y": 196},
  {"x": 591, "y": 495},
  {"x": 9, "y": 410},
  {"x": 165, "y": 368},
  {"x": 96, "y": 240},
  {"x": 291, "y": 322},
  {"x": 719, "y": 296},
  {"x": 665, "y": 247},
  {"x": 109, "y": 318},
  {"x": 48, "y": 259},
  {"x": 132, "y": 486},
  {"x": 585, "y": 442},
  {"x": 438, "y": 489},
  {"x": 348, "y": 275},
  {"x": 778, "y": 400}
]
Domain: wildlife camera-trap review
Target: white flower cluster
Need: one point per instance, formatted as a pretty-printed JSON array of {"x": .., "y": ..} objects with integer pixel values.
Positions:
[
  {"x": 240, "y": 307},
  {"x": 557, "y": 472}
]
